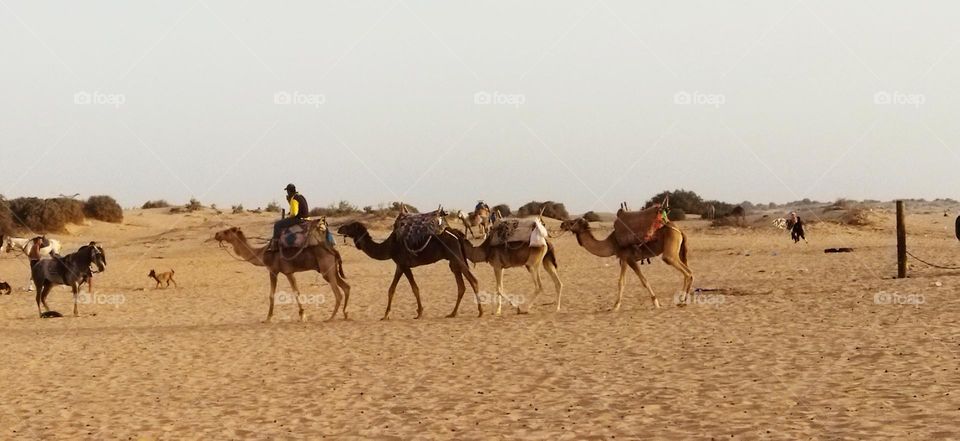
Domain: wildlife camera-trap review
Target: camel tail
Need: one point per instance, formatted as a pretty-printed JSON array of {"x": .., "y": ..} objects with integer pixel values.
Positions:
[
  {"x": 683, "y": 248},
  {"x": 551, "y": 256}
]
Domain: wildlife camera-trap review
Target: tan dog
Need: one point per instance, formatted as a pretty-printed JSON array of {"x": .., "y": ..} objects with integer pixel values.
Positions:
[{"x": 162, "y": 278}]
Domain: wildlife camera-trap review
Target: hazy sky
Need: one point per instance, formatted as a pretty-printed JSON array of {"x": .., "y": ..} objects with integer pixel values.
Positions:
[{"x": 586, "y": 102}]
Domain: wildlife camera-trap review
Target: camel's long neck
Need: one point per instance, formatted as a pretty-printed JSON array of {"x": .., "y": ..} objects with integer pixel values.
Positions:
[
  {"x": 377, "y": 251},
  {"x": 249, "y": 253},
  {"x": 600, "y": 248}
]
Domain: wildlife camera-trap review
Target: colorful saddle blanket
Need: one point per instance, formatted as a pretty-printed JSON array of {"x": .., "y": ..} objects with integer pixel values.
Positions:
[
  {"x": 638, "y": 227},
  {"x": 414, "y": 230},
  {"x": 305, "y": 234},
  {"x": 528, "y": 229}
]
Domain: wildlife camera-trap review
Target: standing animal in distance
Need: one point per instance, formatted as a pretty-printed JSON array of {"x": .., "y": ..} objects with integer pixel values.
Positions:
[
  {"x": 70, "y": 270},
  {"x": 668, "y": 242},
  {"x": 321, "y": 258},
  {"x": 163, "y": 278}
]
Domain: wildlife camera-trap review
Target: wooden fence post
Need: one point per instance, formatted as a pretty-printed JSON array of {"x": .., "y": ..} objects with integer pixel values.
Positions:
[{"x": 901, "y": 243}]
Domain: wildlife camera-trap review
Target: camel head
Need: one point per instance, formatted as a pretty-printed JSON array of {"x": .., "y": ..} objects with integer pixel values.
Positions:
[
  {"x": 353, "y": 230},
  {"x": 578, "y": 225},
  {"x": 230, "y": 235}
]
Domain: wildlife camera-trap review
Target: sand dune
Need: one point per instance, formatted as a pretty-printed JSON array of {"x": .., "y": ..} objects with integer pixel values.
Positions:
[{"x": 794, "y": 344}]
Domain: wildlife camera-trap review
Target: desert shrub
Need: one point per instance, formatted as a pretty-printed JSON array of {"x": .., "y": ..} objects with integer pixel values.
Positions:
[
  {"x": 685, "y": 200},
  {"x": 103, "y": 208},
  {"x": 71, "y": 209},
  {"x": 550, "y": 209},
  {"x": 193, "y": 205},
  {"x": 272, "y": 207},
  {"x": 38, "y": 215},
  {"x": 177, "y": 210},
  {"x": 342, "y": 208},
  {"x": 159, "y": 203},
  {"x": 676, "y": 214},
  {"x": 728, "y": 221},
  {"x": 591, "y": 216},
  {"x": 237, "y": 209},
  {"x": 858, "y": 216},
  {"x": 503, "y": 209},
  {"x": 7, "y": 226}
]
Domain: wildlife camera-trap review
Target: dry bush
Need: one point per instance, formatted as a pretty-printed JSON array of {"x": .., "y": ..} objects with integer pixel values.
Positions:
[
  {"x": 71, "y": 209},
  {"x": 193, "y": 205},
  {"x": 503, "y": 209},
  {"x": 103, "y": 208},
  {"x": 7, "y": 226},
  {"x": 859, "y": 217},
  {"x": 38, "y": 215},
  {"x": 550, "y": 209},
  {"x": 160, "y": 203},
  {"x": 237, "y": 209},
  {"x": 728, "y": 221},
  {"x": 272, "y": 207},
  {"x": 591, "y": 216},
  {"x": 676, "y": 214}
]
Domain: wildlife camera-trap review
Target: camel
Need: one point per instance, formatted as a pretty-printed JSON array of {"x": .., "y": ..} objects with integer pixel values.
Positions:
[
  {"x": 480, "y": 217},
  {"x": 321, "y": 258},
  {"x": 512, "y": 255},
  {"x": 668, "y": 242},
  {"x": 445, "y": 246}
]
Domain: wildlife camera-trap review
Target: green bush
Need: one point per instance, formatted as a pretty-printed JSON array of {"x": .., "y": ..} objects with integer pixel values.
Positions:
[
  {"x": 503, "y": 209},
  {"x": 103, "y": 208},
  {"x": 676, "y": 214}
]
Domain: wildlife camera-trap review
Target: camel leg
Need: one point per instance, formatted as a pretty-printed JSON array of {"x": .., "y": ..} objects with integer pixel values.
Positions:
[
  {"x": 621, "y": 284},
  {"x": 273, "y": 293},
  {"x": 76, "y": 295},
  {"x": 392, "y": 291},
  {"x": 687, "y": 275},
  {"x": 475, "y": 284},
  {"x": 552, "y": 271},
  {"x": 345, "y": 289},
  {"x": 498, "y": 275},
  {"x": 296, "y": 292},
  {"x": 461, "y": 288},
  {"x": 643, "y": 280},
  {"x": 416, "y": 290},
  {"x": 534, "y": 271},
  {"x": 331, "y": 277}
]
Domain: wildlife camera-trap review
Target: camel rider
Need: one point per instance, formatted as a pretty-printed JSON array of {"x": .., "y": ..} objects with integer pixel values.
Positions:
[{"x": 298, "y": 213}]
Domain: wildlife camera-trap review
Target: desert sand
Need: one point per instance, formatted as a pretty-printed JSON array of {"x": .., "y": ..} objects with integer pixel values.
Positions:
[{"x": 794, "y": 344}]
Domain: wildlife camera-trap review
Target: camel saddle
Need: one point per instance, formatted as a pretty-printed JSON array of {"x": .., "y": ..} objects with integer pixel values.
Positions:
[
  {"x": 638, "y": 227},
  {"x": 304, "y": 234},
  {"x": 414, "y": 230},
  {"x": 528, "y": 230}
]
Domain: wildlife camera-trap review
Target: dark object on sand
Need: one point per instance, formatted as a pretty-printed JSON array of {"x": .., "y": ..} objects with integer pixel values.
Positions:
[
  {"x": 5, "y": 289},
  {"x": 957, "y": 228},
  {"x": 838, "y": 250},
  {"x": 51, "y": 314}
]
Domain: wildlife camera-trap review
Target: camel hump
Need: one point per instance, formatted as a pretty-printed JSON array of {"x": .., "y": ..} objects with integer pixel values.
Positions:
[{"x": 636, "y": 227}]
